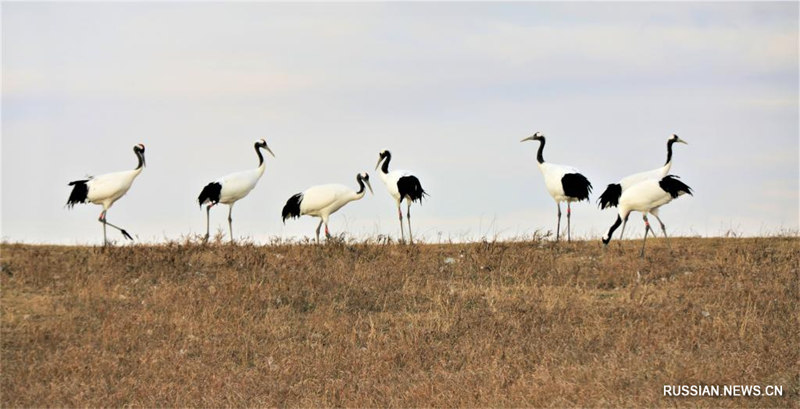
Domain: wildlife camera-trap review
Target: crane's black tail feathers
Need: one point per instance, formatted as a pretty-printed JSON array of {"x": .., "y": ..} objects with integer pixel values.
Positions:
[
  {"x": 673, "y": 186},
  {"x": 576, "y": 185},
  {"x": 79, "y": 192},
  {"x": 409, "y": 186},
  {"x": 292, "y": 207},
  {"x": 210, "y": 194},
  {"x": 610, "y": 198}
]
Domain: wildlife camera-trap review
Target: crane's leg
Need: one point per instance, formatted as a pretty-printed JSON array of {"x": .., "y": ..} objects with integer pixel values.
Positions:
[
  {"x": 208, "y": 220},
  {"x": 408, "y": 218},
  {"x": 327, "y": 232},
  {"x": 106, "y": 223},
  {"x": 102, "y": 219},
  {"x": 663, "y": 228},
  {"x": 569, "y": 212},
  {"x": 230, "y": 221},
  {"x": 121, "y": 230},
  {"x": 318, "y": 227},
  {"x": 558, "y": 225},
  {"x": 646, "y": 229},
  {"x": 400, "y": 215},
  {"x": 624, "y": 222}
]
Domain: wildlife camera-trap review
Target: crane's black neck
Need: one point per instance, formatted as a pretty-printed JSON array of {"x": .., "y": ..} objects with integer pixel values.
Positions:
[
  {"x": 539, "y": 156},
  {"x": 140, "y": 156},
  {"x": 360, "y": 184},
  {"x": 260, "y": 157},
  {"x": 611, "y": 230},
  {"x": 669, "y": 151},
  {"x": 385, "y": 166}
]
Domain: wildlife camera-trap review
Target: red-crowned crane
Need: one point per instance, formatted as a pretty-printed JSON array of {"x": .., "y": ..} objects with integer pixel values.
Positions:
[
  {"x": 323, "y": 200},
  {"x": 228, "y": 189},
  {"x": 106, "y": 189},
  {"x": 401, "y": 184},
  {"x": 647, "y": 197},
  {"x": 564, "y": 183},
  {"x": 610, "y": 197}
]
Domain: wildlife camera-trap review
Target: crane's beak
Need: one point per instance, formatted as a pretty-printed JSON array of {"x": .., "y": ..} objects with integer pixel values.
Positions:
[
  {"x": 269, "y": 150},
  {"x": 530, "y": 138},
  {"x": 379, "y": 162},
  {"x": 369, "y": 186},
  {"x": 681, "y": 141}
]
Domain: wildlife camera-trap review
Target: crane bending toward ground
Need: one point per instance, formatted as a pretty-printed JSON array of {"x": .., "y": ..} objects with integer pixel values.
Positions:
[{"x": 647, "y": 197}]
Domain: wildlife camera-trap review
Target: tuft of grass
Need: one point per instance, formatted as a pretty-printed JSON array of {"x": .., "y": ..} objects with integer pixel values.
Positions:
[{"x": 375, "y": 324}]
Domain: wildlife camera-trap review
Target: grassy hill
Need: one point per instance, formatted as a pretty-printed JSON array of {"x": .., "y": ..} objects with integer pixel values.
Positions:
[{"x": 371, "y": 325}]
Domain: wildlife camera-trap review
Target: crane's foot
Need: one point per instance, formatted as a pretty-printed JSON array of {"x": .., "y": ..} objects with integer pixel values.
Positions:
[{"x": 126, "y": 235}]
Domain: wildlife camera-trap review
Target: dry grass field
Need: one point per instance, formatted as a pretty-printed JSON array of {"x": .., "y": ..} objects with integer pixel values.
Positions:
[{"x": 382, "y": 325}]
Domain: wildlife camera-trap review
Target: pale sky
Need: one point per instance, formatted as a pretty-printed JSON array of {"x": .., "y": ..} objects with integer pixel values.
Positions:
[{"x": 449, "y": 88}]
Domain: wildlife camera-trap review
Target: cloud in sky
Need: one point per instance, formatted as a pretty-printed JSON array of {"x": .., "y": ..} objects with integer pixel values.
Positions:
[{"x": 450, "y": 88}]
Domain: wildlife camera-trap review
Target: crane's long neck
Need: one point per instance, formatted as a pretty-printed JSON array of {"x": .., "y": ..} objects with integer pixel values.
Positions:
[
  {"x": 140, "y": 156},
  {"x": 385, "y": 165},
  {"x": 539, "y": 156},
  {"x": 260, "y": 156},
  {"x": 261, "y": 165},
  {"x": 614, "y": 226},
  {"x": 362, "y": 189},
  {"x": 669, "y": 153}
]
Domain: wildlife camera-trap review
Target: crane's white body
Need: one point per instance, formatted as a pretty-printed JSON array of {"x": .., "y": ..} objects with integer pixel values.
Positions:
[
  {"x": 324, "y": 200},
  {"x": 553, "y": 173},
  {"x": 236, "y": 186},
  {"x": 108, "y": 188},
  {"x": 645, "y": 196},
  {"x": 656, "y": 174}
]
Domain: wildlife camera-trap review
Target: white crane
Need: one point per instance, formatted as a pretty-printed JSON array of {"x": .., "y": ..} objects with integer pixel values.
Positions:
[
  {"x": 647, "y": 197},
  {"x": 105, "y": 190},
  {"x": 610, "y": 197},
  {"x": 564, "y": 183},
  {"x": 401, "y": 184},
  {"x": 228, "y": 189},
  {"x": 323, "y": 200}
]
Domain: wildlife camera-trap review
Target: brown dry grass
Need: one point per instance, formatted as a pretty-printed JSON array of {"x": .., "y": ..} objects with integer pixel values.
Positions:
[{"x": 370, "y": 325}]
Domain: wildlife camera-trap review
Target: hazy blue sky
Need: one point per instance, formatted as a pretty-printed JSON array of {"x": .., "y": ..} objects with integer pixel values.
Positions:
[{"x": 449, "y": 88}]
